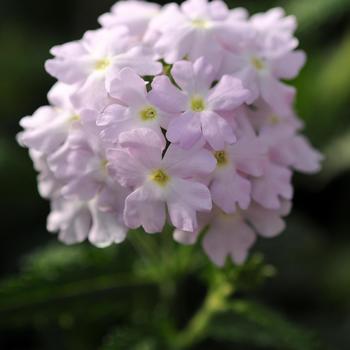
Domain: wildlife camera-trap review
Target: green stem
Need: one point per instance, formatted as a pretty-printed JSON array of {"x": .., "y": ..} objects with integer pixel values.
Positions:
[{"x": 214, "y": 302}]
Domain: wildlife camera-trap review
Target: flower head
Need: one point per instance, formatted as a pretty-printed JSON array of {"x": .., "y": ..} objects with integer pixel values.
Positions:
[{"x": 177, "y": 114}]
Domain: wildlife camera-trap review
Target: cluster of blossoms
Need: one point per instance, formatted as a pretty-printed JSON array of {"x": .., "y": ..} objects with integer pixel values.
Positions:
[{"x": 173, "y": 114}]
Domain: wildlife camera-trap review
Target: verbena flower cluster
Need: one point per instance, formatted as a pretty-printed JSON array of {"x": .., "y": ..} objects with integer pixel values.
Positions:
[{"x": 176, "y": 114}]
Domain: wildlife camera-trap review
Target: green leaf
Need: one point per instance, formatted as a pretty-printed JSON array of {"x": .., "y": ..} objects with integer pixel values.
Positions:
[
  {"x": 129, "y": 339},
  {"x": 250, "y": 323},
  {"x": 62, "y": 284}
]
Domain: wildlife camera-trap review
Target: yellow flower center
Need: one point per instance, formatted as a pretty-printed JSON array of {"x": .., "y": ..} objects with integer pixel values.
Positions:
[
  {"x": 103, "y": 165},
  {"x": 160, "y": 177},
  {"x": 197, "y": 104},
  {"x": 221, "y": 158},
  {"x": 148, "y": 113},
  {"x": 258, "y": 63},
  {"x": 102, "y": 64},
  {"x": 75, "y": 118},
  {"x": 231, "y": 217},
  {"x": 273, "y": 119},
  {"x": 200, "y": 23}
]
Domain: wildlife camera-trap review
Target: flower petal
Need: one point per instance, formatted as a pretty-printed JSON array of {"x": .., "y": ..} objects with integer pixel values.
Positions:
[
  {"x": 307, "y": 159},
  {"x": 128, "y": 87},
  {"x": 185, "y": 237},
  {"x": 289, "y": 65},
  {"x": 144, "y": 144},
  {"x": 275, "y": 183},
  {"x": 249, "y": 154},
  {"x": 228, "y": 94},
  {"x": 216, "y": 130},
  {"x": 125, "y": 169},
  {"x": 185, "y": 130},
  {"x": 184, "y": 200},
  {"x": 166, "y": 96},
  {"x": 277, "y": 94},
  {"x": 267, "y": 223},
  {"x": 106, "y": 229},
  {"x": 188, "y": 163},
  {"x": 143, "y": 209},
  {"x": 229, "y": 189}
]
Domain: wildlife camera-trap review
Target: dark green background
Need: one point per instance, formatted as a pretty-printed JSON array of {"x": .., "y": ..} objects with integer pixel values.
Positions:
[{"x": 312, "y": 258}]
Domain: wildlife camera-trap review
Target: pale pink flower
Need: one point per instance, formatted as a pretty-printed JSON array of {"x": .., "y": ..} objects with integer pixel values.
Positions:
[
  {"x": 77, "y": 221},
  {"x": 236, "y": 165},
  {"x": 261, "y": 115},
  {"x": 133, "y": 108},
  {"x": 265, "y": 58},
  {"x": 275, "y": 29},
  {"x": 88, "y": 204},
  {"x": 287, "y": 148},
  {"x": 82, "y": 163},
  {"x": 48, "y": 184},
  {"x": 228, "y": 235},
  {"x": 305, "y": 158},
  {"x": 261, "y": 74},
  {"x": 99, "y": 56},
  {"x": 198, "y": 106},
  {"x": 133, "y": 14},
  {"x": 279, "y": 133},
  {"x": 273, "y": 187},
  {"x": 159, "y": 182},
  {"x": 47, "y": 129},
  {"x": 232, "y": 235},
  {"x": 267, "y": 223},
  {"x": 195, "y": 28}
]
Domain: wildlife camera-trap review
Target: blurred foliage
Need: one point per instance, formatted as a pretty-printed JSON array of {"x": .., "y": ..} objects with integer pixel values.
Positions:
[
  {"x": 251, "y": 323},
  {"x": 312, "y": 14},
  {"x": 62, "y": 286},
  {"x": 150, "y": 293}
]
